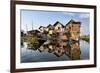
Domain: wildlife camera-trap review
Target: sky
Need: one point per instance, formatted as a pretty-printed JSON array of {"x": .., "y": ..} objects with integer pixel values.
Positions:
[{"x": 35, "y": 19}]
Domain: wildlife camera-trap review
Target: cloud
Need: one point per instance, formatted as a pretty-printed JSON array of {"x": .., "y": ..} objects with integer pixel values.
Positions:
[
  {"x": 69, "y": 13},
  {"x": 78, "y": 15},
  {"x": 82, "y": 16}
]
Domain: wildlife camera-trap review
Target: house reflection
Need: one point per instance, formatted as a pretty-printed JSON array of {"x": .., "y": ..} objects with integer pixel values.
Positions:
[
  {"x": 73, "y": 51},
  {"x": 59, "y": 48}
]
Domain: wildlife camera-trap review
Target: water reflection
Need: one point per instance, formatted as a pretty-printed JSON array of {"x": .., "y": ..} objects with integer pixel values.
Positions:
[{"x": 58, "y": 48}]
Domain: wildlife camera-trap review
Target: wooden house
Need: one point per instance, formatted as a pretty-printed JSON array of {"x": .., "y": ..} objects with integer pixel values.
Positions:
[
  {"x": 33, "y": 32},
  {"x": 58, "y": 27},
  {"x": 41, "y": 29},
  {"x": 74, "y": 29},
  {"x": 50, "y": 27}
]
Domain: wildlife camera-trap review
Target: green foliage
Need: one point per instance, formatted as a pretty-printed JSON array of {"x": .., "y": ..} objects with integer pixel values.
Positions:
[{"x": 32, "y": 39}]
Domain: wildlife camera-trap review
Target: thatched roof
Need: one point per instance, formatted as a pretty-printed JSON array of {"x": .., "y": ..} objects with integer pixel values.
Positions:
[
  {"x": 49, "y": 26},
  {"x": 59, "y": 23},
  {"x": 41, "y": 27},
  {"x": 33, "y": 31},
  {"x": 73, "y": 22}
]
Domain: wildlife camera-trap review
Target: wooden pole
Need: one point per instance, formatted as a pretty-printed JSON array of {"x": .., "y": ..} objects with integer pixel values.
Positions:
[
  {"x": 26, "y": 28},
  {"x": 32, "y": 25}
]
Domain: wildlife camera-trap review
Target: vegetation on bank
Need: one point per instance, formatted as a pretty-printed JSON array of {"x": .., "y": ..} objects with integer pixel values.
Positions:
[
  {"x": 32, "y": 40},
  {"x": 85, "y": 38}
]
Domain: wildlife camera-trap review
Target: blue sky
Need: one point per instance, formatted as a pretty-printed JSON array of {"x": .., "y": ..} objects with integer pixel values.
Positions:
[{"x": 43, "y": 18}]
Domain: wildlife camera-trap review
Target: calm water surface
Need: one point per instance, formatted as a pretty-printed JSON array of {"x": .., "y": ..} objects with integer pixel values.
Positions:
[{"x": 74, "y": 51}]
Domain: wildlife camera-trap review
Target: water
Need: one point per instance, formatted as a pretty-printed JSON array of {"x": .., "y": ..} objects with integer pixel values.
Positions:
[{"x": 69, "y": 51}]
